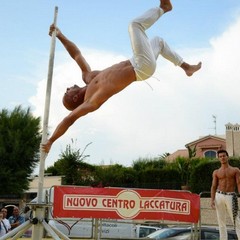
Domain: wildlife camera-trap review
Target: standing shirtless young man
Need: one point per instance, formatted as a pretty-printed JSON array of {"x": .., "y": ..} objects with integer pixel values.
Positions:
[
  {"x": 223, "y": 196},
  {"x": 101, "y": 85}
]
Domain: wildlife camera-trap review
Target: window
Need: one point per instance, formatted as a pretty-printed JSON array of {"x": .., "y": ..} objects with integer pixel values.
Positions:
[
  {"x": 144, "y": 231},
  {"x": 210, "y": 154},
  {"x": 236, "y": 128},
  {"x": 211, "y": 235}
]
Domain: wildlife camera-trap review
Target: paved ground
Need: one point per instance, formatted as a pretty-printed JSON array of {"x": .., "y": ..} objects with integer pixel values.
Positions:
[{"x": 208, "y": 215}]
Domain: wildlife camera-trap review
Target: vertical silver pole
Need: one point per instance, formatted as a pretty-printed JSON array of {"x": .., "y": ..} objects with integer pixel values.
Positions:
[
  {"x": 43, "y": 155},
  {"x": 40, "y": 210}
]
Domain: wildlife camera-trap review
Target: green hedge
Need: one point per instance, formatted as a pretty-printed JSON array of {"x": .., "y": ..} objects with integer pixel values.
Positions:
[
  {"x": 159, "y": 179},
  {"x": 201, "y": 175}
]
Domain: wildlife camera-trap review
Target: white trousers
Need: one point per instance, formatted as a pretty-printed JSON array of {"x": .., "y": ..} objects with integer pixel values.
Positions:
[
  {"x": 223, "y": 205},
  {"x": 145, "y": 52}
]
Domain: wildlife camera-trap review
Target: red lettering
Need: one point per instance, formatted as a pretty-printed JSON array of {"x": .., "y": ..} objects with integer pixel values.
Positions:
[
  {"x": 185, "y": 207},
  {"x": 82, "y": 202},
  {"x": 132, "y": 204},
  {"x": 118, "y": 203},
  {"x": 172, "y": 205},
  {"x": 178, "y": 206},
  {"x": 69, "y": 202}
]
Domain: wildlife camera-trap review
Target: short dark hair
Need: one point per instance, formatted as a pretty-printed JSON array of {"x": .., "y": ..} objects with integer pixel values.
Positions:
[{"x": 222, "y": 151}]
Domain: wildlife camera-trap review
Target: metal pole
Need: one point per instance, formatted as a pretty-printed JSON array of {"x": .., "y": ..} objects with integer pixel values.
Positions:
[
  {"x": 40, "y": 211},
  {"x": 43, "y": 155}
]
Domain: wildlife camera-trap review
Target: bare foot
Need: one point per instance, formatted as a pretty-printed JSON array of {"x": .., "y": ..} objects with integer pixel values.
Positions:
[
  {"x": 166, "y": 5},
  {"x": 190, "y": 69}
]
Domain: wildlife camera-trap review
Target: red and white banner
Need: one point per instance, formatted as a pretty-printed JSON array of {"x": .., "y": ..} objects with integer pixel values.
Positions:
[{"x": 120, "y": 203}]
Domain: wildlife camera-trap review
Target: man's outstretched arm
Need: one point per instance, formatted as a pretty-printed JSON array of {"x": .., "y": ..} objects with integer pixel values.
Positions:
[
  {"x": 73, "y": 51},
  {"x": 63, "y": 126}
]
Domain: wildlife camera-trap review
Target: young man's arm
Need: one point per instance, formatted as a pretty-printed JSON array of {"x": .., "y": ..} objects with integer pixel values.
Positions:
[
  {"x": 214, "y": 188},
  {"x": 237, "y": 179},
  {"x": 73, "y": 51}
]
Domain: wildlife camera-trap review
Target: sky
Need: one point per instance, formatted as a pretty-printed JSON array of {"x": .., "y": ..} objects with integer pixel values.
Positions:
[{"x": 148, "y": 118}]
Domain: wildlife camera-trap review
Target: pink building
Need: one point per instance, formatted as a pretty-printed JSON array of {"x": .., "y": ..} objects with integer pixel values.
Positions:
[{"x": 208, "y": 146}]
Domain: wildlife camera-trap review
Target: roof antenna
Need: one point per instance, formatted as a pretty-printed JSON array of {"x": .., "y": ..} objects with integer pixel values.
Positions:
[{"x": 215, "y": 123}]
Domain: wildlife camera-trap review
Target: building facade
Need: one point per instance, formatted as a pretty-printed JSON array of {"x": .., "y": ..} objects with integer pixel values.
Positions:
[
  {"x": 233, "y": 139},
  {"x": 208, "y": 146}
]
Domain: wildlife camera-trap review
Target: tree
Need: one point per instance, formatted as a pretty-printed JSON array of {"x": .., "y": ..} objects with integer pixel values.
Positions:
[
  {"x": 192, "y": 151},
  {"x": 71, "y": 165},
  {"x": 115, "y": 176},
  {"x": 149, "y": 163},
  {"x": 20, "y": 139}
]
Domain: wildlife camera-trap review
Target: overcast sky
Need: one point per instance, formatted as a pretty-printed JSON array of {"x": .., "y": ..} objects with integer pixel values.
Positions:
[{"x": 148, "y": 118}]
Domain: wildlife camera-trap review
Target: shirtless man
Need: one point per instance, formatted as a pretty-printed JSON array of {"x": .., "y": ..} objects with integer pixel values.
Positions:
[
  {"x": 223, "y": 197},
  {"x": 101, "y": 85}
]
